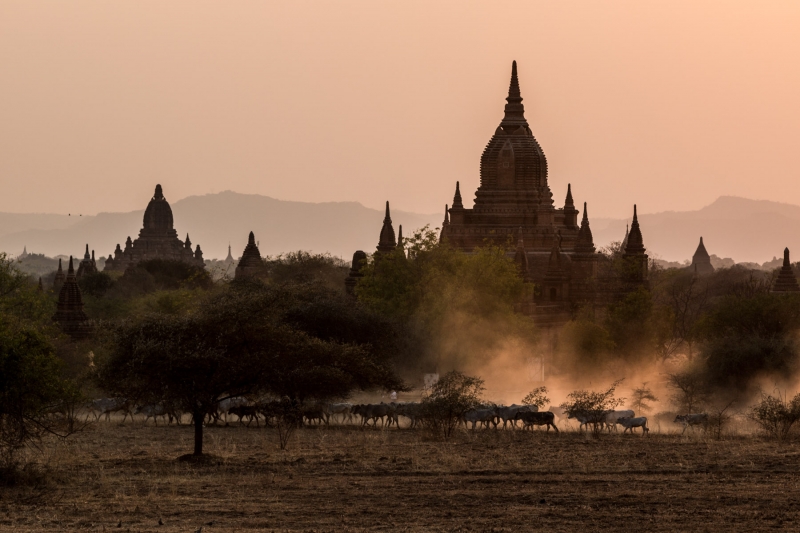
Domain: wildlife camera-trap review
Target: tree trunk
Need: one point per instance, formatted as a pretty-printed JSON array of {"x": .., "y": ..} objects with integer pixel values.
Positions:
[{"x": 198, "y": 419}]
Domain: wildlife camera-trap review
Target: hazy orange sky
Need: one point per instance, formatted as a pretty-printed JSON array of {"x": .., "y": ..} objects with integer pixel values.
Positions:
[{"x": 666, "y": 104}]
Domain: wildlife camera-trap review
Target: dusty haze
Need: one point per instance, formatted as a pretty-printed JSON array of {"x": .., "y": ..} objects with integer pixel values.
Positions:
[{"x": 667, "y": 105}]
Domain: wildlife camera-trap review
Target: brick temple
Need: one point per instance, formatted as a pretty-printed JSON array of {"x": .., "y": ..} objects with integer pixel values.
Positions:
[
  {"x": 157, "y": 239},
  {"x": 514, "y": 207}
]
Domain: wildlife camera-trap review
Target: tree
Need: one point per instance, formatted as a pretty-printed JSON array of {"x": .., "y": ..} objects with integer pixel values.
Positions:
[
  {"x": 640, "y": 398},
  {"x": 592, "y": 406},
  {"x": 454, "y": 306},
  {"x": 248, "y": 339},
  {"x": 537, "y": 397},
  {"x": 776, "y": 415},
  {"x": 449, "y": 399},
  {"x": 629, "y": 324},
  {"x": 32, "y": 391},
  {"x": 690, "y": 391}
]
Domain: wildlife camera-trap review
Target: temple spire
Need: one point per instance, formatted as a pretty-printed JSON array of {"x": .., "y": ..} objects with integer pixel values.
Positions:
[
  {"x": 446, "y": 216},
  {"x": 568, "y": 202},
  {"x": 514, "y": 111},
  {"x": 400, "y": 243},
  {"x": 786, "y": 280},
  {"x": 635, "y": 243},
  {"x": 159, "y": 194},
  {"x": 387, "y": 241},
  {"x": 86, "y": 253},
  {"x": 457, "y": 203},
  {"x": 251, "y": 239},
  {"x": 585, "y": 242}
]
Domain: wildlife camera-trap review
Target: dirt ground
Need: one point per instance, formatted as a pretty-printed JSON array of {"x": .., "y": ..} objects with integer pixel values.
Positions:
[{"x": 114, "y": 477}]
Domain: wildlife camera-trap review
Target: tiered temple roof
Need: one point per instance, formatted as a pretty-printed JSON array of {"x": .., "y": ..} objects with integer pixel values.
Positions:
[
  {"x": 69, "y": 311},
  {"x": 157, "y": 239},
  {"x": 251, "y": 265},
  {"x": 387, "y": 242},
  {"x": 88, "y": 265},
  {"x": 701, "y": 261},
  {"x": 786, "y": 280}
]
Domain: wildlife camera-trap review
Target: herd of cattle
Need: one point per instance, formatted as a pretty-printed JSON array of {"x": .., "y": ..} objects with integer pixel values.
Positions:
[{"x": 387, "y": 414}]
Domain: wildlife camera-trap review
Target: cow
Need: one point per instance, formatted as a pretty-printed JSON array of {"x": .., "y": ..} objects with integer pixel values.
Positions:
[
  {"x": 344, "y": 409},
  {"x": 315, "y": 412},
  {"x": 533, "y": 418},
  {"x": 482, "y": 416},
  {"x": 507, "y": 414},
  {"x": 373, "y": 412},
  {"x": 412, "y": 411},
  {"x": 152, "y": 411},
  {"x": 107, "y": 406},
  {"x": 245, "y": 411},
  {"x": 691, "y": 420},
  {"x": 629, "y": 423},
  {"x": 586, "y": 418},
  {"x": 611, "y": 418}
]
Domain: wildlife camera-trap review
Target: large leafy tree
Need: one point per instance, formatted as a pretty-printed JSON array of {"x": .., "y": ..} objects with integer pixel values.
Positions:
[
  {"x": 249, "y": 339},
  {"x": 455, "y": 306}
]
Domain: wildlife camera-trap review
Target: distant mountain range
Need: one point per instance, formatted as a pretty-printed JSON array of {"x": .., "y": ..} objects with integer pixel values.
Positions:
[{"x": 738, "y": 228}]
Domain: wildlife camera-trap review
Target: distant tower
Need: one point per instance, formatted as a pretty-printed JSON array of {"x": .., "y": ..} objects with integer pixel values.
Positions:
[
  {"x": 786, "y": 281},
  {"x": 69, "y": 311},
  {"x": 634, "y": 253},
  {"x": 87, "y": 266},
  {"x": 387, "y": 242},
  {"x": 58, "y": 281},
  {"x": 251, "y": 265},
  {"x": 359, "y": 260},
  {"x": 701, "y": 261},
  {"x": 229, "y": 259}
]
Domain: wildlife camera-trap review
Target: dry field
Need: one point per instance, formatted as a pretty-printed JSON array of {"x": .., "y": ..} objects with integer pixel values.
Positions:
[{"x": 114, "y": 477}]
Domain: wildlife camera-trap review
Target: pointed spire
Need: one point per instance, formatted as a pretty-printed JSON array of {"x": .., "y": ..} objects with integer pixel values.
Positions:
[
  {"x": 92, "y": 256},
  {"x": 387, "y": 242},
  {"x": 635, "y": 243},
  {"x": 446, "y": 216},
  {"x": 86, "y": 254},
  {"x": 251, "y": 239},
  {"x": 457, "y": 203},
  {"x": 568, "y": 202},
  {"x": 400, "y": 243},
  {"x": 59, "y": 267},
  {"x": 514, "y": 112},
  {"x": 159, "y": 194},
  {"x": 71, "y": 269},
  {"x": 585, "y": 242}
]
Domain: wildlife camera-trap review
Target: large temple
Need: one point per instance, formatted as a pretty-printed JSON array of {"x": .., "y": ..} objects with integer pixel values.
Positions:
[
  {"x": 157, "y": 240},
  {"x": 514, "y": 205}
]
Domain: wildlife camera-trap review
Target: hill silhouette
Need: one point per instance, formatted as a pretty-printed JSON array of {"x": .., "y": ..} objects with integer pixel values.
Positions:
[{"x": 745, "y": 230}]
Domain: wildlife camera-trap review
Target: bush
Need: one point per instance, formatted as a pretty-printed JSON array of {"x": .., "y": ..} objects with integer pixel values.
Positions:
[
  {"x": 450, "y": 398},
  {"x": 776, "y": 416},
  {"x": 592, "y": 406},
  {"x": 537, "y": 397}
]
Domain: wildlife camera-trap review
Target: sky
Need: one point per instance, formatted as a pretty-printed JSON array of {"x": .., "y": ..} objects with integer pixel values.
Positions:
[{"x": 664, "y": 104}]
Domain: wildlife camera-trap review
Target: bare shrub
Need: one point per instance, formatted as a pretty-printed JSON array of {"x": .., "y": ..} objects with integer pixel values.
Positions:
[
  {"x": 449, "y": 399},
  {"x": 776, "y": 415},
  {"x": 718, "y": 420},
  {"x": 591, "y": 406},
  {"x": 641, "y": 398},
  {"x": 537, "y": 397},
  {"x": 689, "y": 391}
]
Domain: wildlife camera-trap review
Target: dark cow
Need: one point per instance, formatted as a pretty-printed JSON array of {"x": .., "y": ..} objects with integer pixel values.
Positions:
[{"x": 532, "y": 418}]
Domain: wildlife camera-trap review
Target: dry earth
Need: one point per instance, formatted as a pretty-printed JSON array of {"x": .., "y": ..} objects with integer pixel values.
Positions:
[{"x": 114, "y": 477}]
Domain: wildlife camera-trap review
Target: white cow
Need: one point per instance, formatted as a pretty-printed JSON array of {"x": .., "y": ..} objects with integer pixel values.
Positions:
[
  {"x": 343, "y": 409},
  {"x": 611, "y": 418},
  {"x": 588, "y": 418},
  {"x": 507, "y": 414},
  {"x": 482, "y": 416},
  {"x": 629, "y": 423},
  {"x": 152, "y": 411}
]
